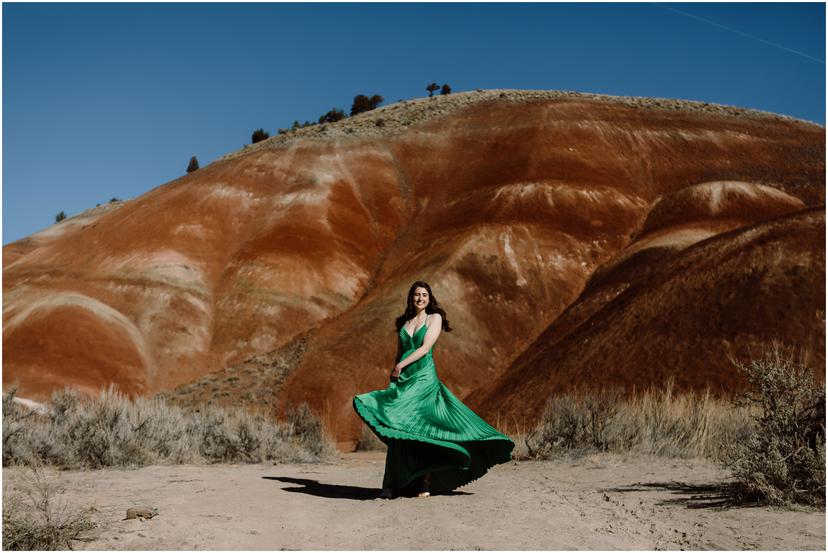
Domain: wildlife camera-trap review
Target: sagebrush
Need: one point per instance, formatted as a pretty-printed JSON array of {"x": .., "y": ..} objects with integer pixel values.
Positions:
[
  {"x": 112, "y": 430},
  {"x": 36, "y": 517},
  {"x": 782, "y": 460}
]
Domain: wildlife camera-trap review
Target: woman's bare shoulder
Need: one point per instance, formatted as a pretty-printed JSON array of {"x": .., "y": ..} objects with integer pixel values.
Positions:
[{"x": 435, "y": 317}]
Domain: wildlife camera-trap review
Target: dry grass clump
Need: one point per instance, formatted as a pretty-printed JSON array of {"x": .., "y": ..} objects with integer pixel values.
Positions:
[
  {"x": 772, "y": 436},
  {"x": 368, "y": 441},
  {"x": 657, "y": 421},
  {"x": 37, "y": 518},
  {"x": 112, "y": 430},
  {"x": 306, "y": 428},
  {"x": 782, "y": 460}
]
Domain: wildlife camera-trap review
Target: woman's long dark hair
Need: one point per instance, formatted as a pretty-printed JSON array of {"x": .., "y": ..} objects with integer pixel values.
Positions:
[{"x": 432, "y": 307}]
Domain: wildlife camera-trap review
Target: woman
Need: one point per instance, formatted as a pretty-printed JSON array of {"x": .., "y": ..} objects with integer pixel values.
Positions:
[{"x": 435, "y": 442}]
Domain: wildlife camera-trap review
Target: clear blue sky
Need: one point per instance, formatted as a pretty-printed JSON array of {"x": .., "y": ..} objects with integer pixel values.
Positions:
[{"x": 111, "y": 100}]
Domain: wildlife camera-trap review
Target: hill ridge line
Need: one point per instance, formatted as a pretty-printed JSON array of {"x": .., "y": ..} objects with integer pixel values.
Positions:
[{"x": 385, "y": 121}]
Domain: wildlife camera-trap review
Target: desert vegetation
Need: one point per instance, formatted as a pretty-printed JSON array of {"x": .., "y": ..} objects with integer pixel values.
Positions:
[
  {"x": 782, "y": 461},
  {"x": 433, "y": 87},
  {"x": 36, "y": 517},
  {"x": 657, "y": 421},
  {"x": 193, "y": 165},
  {"x": 368, "y": 441},
  {"x": 112, "y": 430},
  {"x": 60, "y": 217},
  {"x": 772, "y": 437},
  {"x": 332, "y": 116},
  {"x": 363, "y": 103},
  {"x": 259, "y": 135}
]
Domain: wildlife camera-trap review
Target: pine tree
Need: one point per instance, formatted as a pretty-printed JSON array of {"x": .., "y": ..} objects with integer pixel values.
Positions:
[
  {"x": 445, "y": 90},
  {"x": 60, "y": 217},
  {"x": 193, "y": 166},
  {"x": 431, "y": 88}
]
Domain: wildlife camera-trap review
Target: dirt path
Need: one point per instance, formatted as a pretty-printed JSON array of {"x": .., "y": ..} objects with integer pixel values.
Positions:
[{"x": 598, "y": 502}]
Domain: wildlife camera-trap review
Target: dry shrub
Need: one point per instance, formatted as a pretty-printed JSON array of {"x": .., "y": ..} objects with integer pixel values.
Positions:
[
  {"x": 562, "y": 428},
  {"x": 521, "y": 450},
  {"x": 368, "y": 441},
  {"x": 782, "y": 460},
  {"x": 112, "y": 430},
  {"x": 36, "y": 517},
  {"x": 306, "y": 427},
  {"x": 577, "y": 422},
  {"x": 17, "y": 426},
  {"x": 657, "y": 421},
  {"x": 601, "y": 408}
]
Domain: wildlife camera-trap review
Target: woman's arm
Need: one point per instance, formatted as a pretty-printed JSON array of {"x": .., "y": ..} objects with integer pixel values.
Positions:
[
  {"x": 434, "y": 329},
  {"x": 399, "y": 349},
  {"x": 395, "y": 373}
]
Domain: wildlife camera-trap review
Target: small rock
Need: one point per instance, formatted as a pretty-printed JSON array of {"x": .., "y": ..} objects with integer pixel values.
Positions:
[{"x": 141, "y": 512}]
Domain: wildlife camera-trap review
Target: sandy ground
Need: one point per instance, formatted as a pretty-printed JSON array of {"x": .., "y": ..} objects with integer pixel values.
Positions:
[{"x": 598, "y": 502}]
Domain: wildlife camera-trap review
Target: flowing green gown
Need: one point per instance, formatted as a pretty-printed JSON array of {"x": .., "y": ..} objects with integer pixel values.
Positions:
[{"x": 427, "y": 429}]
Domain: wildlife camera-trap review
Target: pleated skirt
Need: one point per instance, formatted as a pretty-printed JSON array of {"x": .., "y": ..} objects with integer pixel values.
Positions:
[{"x": 428, "y": 430}]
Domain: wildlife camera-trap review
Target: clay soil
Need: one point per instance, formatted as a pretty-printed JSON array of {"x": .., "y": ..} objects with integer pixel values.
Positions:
[{"x": 594, "y": 502}]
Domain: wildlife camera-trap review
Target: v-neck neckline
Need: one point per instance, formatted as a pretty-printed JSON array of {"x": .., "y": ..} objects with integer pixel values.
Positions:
[{"x": 416, "y": 331}]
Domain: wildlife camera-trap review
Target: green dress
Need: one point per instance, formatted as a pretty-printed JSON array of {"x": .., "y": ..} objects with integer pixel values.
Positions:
[{"x": 427, "y": 429}]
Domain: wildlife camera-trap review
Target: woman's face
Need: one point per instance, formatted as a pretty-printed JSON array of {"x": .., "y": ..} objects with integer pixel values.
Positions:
[{"x": 420, "y": 297}]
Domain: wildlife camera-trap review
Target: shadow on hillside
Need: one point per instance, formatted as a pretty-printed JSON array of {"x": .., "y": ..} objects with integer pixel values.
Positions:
[
  {"x": 696, "y": 496},
  {"x": 337, "y": 491}
]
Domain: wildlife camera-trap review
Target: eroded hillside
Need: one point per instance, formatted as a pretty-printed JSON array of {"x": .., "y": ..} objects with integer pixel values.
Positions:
[{"x": 543, "y": 220}]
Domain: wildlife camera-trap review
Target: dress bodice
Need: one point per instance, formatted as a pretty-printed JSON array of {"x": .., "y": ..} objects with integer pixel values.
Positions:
[
  {"x": 413, "y": 342},
  {"x": 409, "y": 344}
]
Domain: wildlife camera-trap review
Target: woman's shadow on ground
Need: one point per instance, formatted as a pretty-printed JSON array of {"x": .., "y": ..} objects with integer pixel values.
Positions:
[{"x": 338, "y": 491}]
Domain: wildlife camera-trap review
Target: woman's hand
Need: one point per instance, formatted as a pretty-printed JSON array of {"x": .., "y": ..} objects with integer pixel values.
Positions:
[{"x": 396, "y": 372}]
